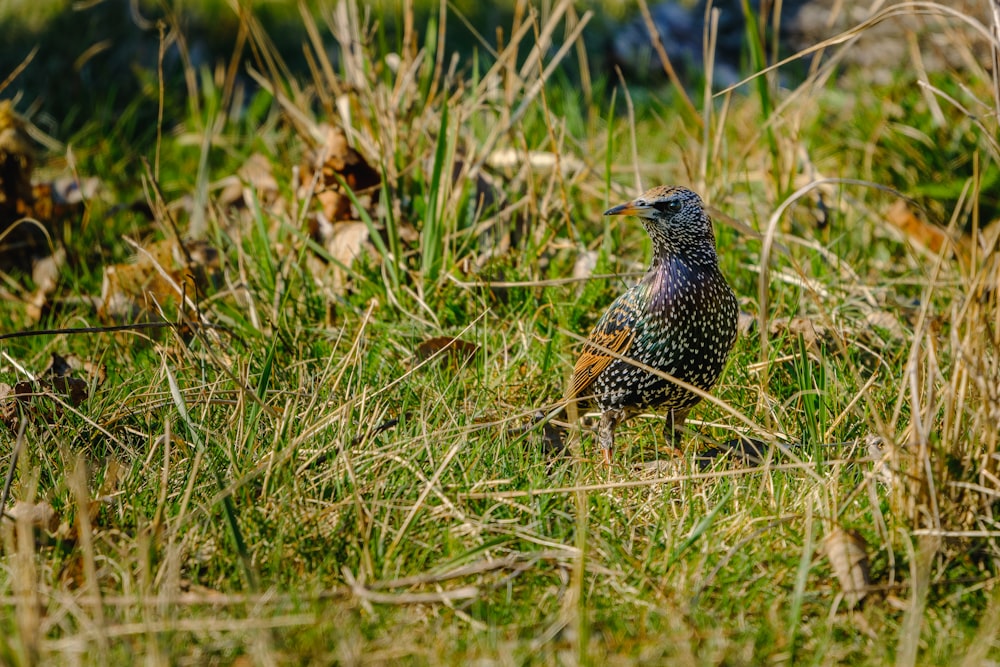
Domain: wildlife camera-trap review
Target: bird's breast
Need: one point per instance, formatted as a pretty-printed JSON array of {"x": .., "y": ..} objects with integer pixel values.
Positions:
[{"x": 690, "y": 312}]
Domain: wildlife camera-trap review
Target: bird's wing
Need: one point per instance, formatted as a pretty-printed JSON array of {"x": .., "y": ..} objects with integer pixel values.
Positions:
[{"x": 610, "y": 338}]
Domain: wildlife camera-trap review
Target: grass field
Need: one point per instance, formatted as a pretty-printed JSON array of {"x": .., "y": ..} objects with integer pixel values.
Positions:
[{"x": 331, "y": 455}]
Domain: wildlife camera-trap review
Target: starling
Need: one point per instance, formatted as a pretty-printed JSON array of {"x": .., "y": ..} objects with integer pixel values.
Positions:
[{"x": 680, "y": 319}]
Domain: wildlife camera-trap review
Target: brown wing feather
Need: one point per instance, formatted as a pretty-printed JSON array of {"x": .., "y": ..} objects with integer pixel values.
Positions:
[{"x": 593, "y": 359}]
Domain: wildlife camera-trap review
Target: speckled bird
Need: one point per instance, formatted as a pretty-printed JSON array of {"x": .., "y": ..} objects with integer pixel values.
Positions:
[{"x": 680, "y": 319}]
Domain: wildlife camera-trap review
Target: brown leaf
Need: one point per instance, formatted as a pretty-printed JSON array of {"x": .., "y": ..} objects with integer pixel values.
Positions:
[
  {"x": 253, "y": 180},
  {"x": 159, "y": 275},
  {"x": 27, "y": 397},
  {"x": 347, "y": 242},
  {"x": 15, "y": 402},
  {"x": 21, "y": 238},
  {"x": 59, "y": 377},
  {"x": 344, "y": 241},
  {"x": 63, "y": 197},
  {"x": 24, "y": 390},
  {"x": 812, "y": 334},
  {"x": 74, "y": 389},
  {"x": 454, "y": 348},
  {"x": 45, "y": 274},
  {"x": 128, "y": 288},
  {"x": 848, "y": 556},
  {"x": 37, "y": 515},
  {"x": 17, "y": 161},
  {"x": 335, "y": 158},
  {"x": 926, "y": 235},
  {"x": 8, "y": 407},
  {"x": 884, "y": 320}
]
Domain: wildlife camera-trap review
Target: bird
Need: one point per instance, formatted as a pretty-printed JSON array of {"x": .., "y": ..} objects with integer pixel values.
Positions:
[{"x": 680, "y": 320}]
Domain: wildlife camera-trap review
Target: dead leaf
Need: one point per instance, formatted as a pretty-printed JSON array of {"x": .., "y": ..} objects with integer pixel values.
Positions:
[
  {"x": 335, "y": 158},
  {"x": 63, "y": 197},
  {"x": 346, "y": 243},
  {"x": 37, "y": 515},
  {"x": 18, "y": 403},
  {"x": 745, "y": 323},
  {"x": 8, "y": 407},
  {"x": 925, "y": 235},
  {"x": 812, "y": 333},
  {"x": 128, "y": 289},
  {"x": 60, "y": 366},
  {"x": 886, "y": 321},
  {"x": 58, "y": 378},
  {"x": 74, "y": 389},
  {"x": 445, "y": 346},
  {"x": 45, "y": 274},
  {"x": 17, "y": 161},
  {"x": 848, "y": 555},
  {"x": 160, "y": 274},
  {"x": 28, "y": 398},
  {"x": 22, "y": 238},
  {"x": 254, "y": 180}
]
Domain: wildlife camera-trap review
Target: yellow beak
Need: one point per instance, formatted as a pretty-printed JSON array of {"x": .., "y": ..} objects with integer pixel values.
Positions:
[{"x": 629, "y": 208}]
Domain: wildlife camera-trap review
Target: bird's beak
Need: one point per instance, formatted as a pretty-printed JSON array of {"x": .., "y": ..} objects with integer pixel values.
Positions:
[{"x": 629, "y": 208}]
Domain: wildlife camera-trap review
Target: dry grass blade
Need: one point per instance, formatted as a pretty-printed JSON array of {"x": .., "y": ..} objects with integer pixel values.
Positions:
[
  {"x": 666, "y": 480},
  {"x": 986, "y": 636},
  {"x": 511, "y": 562},
  {"x": 910, "y": 630},
  {"x": 369, "y": 596},
  {"x": 20, "y": 68},
  {"x": 197, "y": 626}
]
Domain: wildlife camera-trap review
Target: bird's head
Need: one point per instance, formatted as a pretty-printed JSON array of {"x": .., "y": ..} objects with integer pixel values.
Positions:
[{"x": 676, "y": 220}]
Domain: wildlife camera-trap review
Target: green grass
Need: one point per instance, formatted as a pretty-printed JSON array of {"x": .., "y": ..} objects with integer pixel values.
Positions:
[{"x": 302, "y": 487}]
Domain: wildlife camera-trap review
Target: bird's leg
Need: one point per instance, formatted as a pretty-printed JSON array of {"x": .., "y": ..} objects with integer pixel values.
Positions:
[
  {"x": 673, "y": 430},
  {"x": 606, "y": 432}
]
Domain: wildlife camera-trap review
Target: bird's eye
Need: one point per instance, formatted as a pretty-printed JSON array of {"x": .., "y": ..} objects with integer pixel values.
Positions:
[{"x": 669, "y": 206}]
